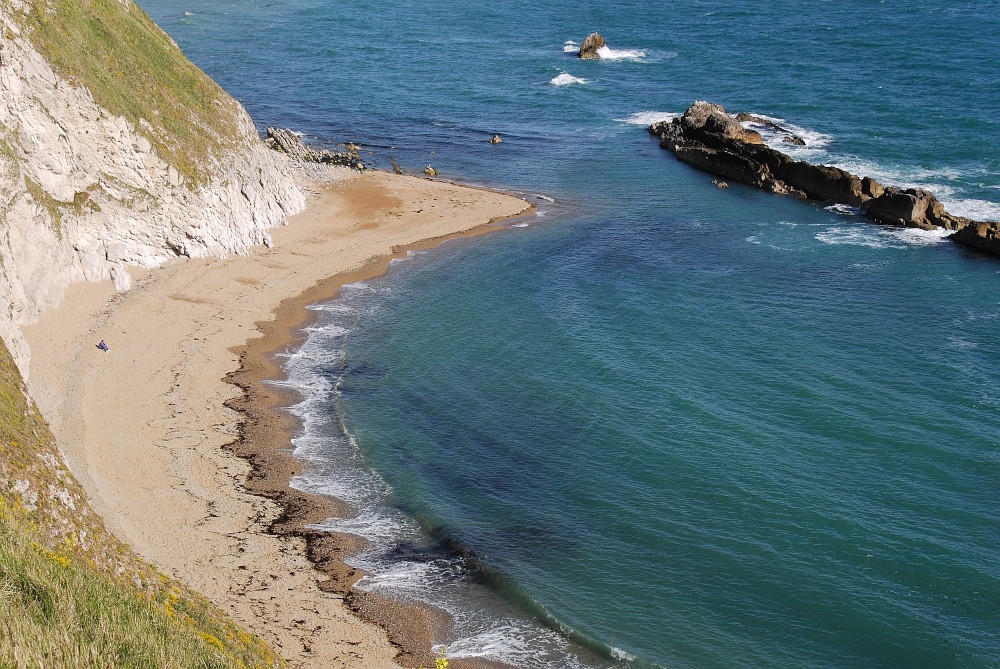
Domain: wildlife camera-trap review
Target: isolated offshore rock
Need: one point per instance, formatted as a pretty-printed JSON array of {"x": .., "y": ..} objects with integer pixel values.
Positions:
[
  {"x": 588, "y": 49},
  {"x": 707, "y": 137}
]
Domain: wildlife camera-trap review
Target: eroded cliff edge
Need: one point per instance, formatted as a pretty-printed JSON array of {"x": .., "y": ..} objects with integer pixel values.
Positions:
[
  {"x": 709, "y": 138},
  {"x": 115, "y": 151}
]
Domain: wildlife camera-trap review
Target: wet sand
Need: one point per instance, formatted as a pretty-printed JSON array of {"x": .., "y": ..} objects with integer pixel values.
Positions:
[{"x": 180, "y": 446}]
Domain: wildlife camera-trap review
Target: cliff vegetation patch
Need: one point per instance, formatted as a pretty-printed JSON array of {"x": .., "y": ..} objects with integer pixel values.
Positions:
[
  {"x": 133, "y": 69},
  {"x": 71, "y": 594}
]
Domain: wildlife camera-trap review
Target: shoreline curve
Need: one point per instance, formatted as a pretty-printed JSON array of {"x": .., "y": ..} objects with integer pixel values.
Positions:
[{"x": 149, "y": 428}]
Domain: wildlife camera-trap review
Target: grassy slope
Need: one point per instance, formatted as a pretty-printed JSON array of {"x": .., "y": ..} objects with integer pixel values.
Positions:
[
  {"x": 70, "y": 593},
  {"x": 133, "y": 69}
]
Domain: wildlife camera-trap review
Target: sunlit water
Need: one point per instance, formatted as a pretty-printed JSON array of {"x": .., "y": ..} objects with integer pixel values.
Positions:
[{"x": 657, "y": 423}]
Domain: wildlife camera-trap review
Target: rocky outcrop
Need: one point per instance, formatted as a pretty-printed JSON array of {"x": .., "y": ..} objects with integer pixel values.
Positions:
[
  {"x": 707, "y": 137},
  {"x": 981, "y": 235},
  {"x": 588, "y": 50},
  {"x": 288, "y": 142},
  {"x": 86, "y": 193},
  {"x": 788, "y": 137}
]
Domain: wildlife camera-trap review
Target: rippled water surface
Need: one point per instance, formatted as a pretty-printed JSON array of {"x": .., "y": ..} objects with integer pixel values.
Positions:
[{"x": 657, "y": 423}]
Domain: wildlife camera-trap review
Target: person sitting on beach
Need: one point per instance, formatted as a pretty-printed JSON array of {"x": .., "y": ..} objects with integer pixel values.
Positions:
[{"x": 103, "y": 346}]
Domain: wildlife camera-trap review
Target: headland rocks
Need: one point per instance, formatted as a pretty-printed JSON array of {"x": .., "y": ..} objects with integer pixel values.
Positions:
[
  {"x": 286, "y": 141},
  {"x": 709, "y": 138}
]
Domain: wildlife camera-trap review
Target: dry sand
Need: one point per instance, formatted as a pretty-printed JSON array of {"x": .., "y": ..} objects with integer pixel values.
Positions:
[{"x": 145, "y": 427}]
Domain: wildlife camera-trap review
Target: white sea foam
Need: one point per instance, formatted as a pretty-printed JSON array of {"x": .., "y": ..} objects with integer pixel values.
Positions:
[
  {"x": 538, "y": 196},
  {"x": 815, "y": 142},
  {"x": 569, "y": 46},
  {"x": 979, "y": 210},
  {"x": 401, "y": 576},
  {"x": 944, "y": 182},
  {"x": 369, "y": 523},
  {"x": 620, "y": 654},
  {"x": 844, "y": 210},
  {"x": 501, "y": 641},
  {"x": 910, "y": 176},
  {"x": 940, "y": 181},
  {"x": 882, "y": 237},
  {"x": 566, "y": 79},
  {"x": 521, "y": 225},
  {"x": 647, "y": 118},
  {"x": 607, "y": 53},
  {"x": 918, "y": 237},
  {"x": 336, "y": 467},
  {"x": 516, "y": 645},
  {"x": 335, "y": 307}
]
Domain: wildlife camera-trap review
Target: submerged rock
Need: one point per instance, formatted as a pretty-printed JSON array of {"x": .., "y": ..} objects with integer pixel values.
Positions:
[
  {"x": 588, "y": 50},
  {"x": 707, "y": 137}
]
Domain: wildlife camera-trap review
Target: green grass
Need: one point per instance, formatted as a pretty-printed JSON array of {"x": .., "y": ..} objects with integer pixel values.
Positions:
[
  {"x": 134, "y": 70},
  {"x": 71, "y": 594},
  {"x": 47, "y": 202},
  {"x": 55, "y": 612}
]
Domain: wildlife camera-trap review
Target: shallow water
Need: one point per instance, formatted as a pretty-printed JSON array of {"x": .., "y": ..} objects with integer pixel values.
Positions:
[{"x": 661, "y": 423}]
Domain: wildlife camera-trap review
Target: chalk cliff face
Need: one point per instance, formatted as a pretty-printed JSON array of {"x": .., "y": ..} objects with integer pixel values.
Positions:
[{"x": 86, "y": 191}]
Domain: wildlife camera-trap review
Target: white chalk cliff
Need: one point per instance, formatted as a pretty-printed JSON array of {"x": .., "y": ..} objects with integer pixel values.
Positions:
[{"x": 84, "y": 193}]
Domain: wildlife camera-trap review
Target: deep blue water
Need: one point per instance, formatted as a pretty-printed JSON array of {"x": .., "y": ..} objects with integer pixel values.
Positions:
[{"x": 665, "y": 424}]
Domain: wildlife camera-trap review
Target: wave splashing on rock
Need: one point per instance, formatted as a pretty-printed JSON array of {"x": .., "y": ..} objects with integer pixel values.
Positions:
[{"x": 709, "y": 138}]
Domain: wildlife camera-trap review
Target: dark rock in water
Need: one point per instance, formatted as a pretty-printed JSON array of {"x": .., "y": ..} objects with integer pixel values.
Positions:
[
  {"x": 590, "y": 46},
  {"x": 981, "y": 235},
  {"x": 707, "y": 137},
  {"x": 912, "y": 208},
  {"x": 288, "y": 142},
  {"x": 795, "y": 140},
  {"x": 871, "y": 188},
  {"x": 902, "y": 208},
  {"x": 496, "y": 140},
  {"x": 430, "y": 171}
]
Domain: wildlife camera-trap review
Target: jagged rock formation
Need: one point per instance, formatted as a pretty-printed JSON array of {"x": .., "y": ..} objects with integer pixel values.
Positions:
[
  {"x": 588, "y": 50},
  {"x": 87, "y": 190},
  {"x": 982, "y": 235},
  {"x": 707, "y": 137},
  {"x": 788, "y": 137},
  {"x": 288, "y": 142}
]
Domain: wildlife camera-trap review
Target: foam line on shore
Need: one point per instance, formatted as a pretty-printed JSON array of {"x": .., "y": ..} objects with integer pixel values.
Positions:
[{"x": 149, "y": 429}]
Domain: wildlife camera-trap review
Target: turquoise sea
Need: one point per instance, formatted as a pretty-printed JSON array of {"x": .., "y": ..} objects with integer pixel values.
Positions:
[{"x": 656, "y": 423}]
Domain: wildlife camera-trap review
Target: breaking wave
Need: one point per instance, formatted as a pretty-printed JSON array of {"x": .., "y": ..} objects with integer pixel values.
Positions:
[{"x": 566, "y": 79}]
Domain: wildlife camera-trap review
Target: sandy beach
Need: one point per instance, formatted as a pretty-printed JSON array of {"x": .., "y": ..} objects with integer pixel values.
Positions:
[{"x": 162, "y": 435}]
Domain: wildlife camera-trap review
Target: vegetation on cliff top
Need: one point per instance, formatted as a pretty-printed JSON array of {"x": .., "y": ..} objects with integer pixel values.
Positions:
[
  {"x": 133, "y": 69},
  {"x": 73, "y": 595}
]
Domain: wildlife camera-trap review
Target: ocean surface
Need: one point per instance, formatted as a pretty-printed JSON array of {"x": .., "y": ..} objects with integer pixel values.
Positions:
[{"x": 656, "y": 423}]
